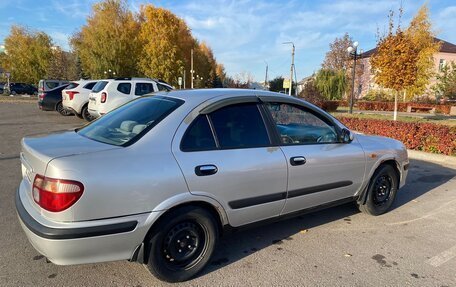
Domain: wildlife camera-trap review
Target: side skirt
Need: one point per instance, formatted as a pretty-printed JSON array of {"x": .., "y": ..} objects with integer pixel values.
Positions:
[{"x": 227, "y": 229}]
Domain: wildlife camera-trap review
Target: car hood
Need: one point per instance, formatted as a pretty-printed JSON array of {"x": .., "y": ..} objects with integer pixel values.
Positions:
[{"x": 38, "y": 151}]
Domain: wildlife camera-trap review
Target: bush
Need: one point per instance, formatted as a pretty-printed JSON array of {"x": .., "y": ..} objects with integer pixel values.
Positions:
[
  {"x": 378, "y": 95},
  {"x": 330, "y": 106},
  {"x": 417, "y": 136}
]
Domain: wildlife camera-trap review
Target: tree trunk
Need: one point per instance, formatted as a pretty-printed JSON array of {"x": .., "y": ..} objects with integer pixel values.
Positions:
[{"x": 395, "y": 105}]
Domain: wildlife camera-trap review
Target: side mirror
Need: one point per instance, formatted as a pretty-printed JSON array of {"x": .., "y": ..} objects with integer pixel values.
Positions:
[{"x": 346, "y": 136}]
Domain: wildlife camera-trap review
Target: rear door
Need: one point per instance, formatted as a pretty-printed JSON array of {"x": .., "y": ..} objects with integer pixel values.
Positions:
[
  {"x": 321, "y": 169},
  {"x": 227, "y": 155}
]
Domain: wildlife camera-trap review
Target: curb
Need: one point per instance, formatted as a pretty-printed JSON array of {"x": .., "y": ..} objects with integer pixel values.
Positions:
[{"x": 436, "y": 158}]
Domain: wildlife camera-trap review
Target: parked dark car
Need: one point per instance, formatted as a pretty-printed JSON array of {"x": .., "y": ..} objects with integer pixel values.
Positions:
[
  {"x": 2, "y": 85},
  {"x": 52, "y": 101},
  {"x": 22, "y": 89}
]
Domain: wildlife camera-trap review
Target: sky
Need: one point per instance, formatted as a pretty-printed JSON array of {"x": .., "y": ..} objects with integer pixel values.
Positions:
[{"x": 247, "y": 34}]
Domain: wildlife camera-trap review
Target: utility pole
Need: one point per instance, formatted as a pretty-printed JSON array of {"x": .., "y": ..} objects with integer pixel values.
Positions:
[
  {"x": 184, "y": 78},
  {"x": 191, "y": 68},
  {"x": 292, "y": 66},
  {"x": 266, "y": 76}
]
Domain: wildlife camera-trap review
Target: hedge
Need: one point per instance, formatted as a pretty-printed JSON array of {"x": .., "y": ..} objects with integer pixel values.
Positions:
[
  {"x": 401, "y": 107},
  {"x": 426, "y": 137}
]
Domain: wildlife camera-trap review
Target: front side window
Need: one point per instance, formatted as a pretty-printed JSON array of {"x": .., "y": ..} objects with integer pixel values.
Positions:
[
  {"x": 124, "y": 88},
  {"x": 143, "y": 88},
  {"x": 297, "y": 125},
  {"x": 240, "y": 126},
  {"x": 198, "y": 136},
  {"x": 131, "y": 121}
]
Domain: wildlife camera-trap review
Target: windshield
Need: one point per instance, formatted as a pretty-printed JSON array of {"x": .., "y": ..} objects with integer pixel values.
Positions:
[{"x": 126, "y": 124}]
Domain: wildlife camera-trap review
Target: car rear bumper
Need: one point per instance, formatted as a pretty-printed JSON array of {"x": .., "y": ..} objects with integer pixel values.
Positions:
[
  {"x": 67, "y": 243},
  {"x": 45, "y": 106}
]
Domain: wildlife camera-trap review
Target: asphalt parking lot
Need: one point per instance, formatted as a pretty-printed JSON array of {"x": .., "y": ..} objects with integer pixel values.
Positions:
[{"x": 412, "y": 245}]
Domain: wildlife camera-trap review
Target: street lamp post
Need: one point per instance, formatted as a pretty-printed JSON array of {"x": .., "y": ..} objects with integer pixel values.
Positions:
[
  {"x": 292, "y": 66},
  {"x": 353, "y": 51}
]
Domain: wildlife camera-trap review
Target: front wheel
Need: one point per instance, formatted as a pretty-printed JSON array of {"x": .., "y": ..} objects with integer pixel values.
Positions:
[
  {"x": 181, "y": 244},
  {"x": 381, "y": 191},
  {"x": 62, "y": 110}
]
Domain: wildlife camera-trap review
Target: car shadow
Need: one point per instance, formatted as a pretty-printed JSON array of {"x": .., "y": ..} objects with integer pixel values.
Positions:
[{"x": 422, "y": 178}]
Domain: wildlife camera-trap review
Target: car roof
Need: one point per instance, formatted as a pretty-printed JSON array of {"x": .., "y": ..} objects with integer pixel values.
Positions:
[{"x": 197, "y": 96}]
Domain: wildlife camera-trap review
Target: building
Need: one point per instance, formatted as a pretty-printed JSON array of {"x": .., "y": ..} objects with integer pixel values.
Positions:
[{"x": 365, "y": 78}]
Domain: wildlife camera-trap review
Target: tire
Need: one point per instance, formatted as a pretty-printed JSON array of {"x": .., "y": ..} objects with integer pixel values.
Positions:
[
  {"x": 64, "y": 112},
  {"x": 381, "y": 191},
  {"x": 13, "y": 93},
  {"x": 85, "y": 113},
  {"x": 181, "y": 244}
]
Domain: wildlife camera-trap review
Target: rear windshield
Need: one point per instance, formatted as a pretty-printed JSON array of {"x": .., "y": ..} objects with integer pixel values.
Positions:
[
  {"x": 125, "y": 125},
  {"x": 99, "y": 86},
  {"x": 72, "y": 85}
]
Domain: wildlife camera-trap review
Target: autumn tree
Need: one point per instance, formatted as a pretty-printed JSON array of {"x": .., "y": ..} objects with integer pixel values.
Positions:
[
  {"x": 28, "y": 54},
  {"x": 423, "y": 39},
  {"x": 63, "y": 65},
  {"x": 109, "y": 40},
  {"x": 337, "y": 58},
  {"x": 395, "y": 62},
  {"x": 163, "y": 56}
]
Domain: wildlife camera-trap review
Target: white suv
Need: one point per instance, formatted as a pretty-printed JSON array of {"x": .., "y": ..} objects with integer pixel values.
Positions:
[
  {"x": 109, "y": 94},
  {"x": 75, "y": 97}
]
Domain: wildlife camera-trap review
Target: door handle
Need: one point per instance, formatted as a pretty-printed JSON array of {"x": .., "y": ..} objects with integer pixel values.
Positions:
[
  {"x": 297, "y": 160},
  {"x": 207, "y": 169}
]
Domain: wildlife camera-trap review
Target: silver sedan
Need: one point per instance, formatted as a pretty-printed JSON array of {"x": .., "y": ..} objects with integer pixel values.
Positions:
[{"x": 159, "y": 179}]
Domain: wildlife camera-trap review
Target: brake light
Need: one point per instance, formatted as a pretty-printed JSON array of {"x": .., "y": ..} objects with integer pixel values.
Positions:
[
  {"x": 71, "y": 94},
  {"x": 42, "y": 95},
  {"x": 56, "y": 194},
  {"x": 104, "y": 96}
]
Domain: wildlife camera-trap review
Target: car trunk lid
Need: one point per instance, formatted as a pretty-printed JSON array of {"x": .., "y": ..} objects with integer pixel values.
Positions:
[{"x": 38, "y": 151}]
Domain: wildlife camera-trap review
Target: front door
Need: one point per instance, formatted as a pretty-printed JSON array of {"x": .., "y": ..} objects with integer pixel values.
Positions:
[
  {"x": 227, "y": 156},
  {"x": 321, "y": 169}
]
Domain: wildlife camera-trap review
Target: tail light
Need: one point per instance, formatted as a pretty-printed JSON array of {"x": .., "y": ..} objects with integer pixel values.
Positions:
[
  {"x": 56, "y": 194},
  {"x": 71, "y": 94},
  {"x": 42, "y": 95},
  {"x": 104, "y": 96}
]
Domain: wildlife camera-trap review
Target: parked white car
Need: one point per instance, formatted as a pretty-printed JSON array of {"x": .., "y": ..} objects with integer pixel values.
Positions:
[
  {"x": 109, "y": 94},
  {"x": 75, "y": 97}
]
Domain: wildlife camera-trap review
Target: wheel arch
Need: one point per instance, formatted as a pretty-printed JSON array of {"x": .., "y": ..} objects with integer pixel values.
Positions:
[
  {"x": 141, "y": 254},
  {"x": 391, "y": 161}
]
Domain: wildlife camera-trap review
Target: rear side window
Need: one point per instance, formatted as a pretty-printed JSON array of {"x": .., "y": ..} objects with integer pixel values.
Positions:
[
  {"x": 124, "y": 88},
  {"x": 198, "y": 136},
  {"x": 124, "y": 125},
  {"x": 89, "y": 86},
  {"x": 240, "y": 126},
  {"x": 52, "y": 85},
  {"x": 99, "y": 86},
  {"x": 143, "y": 88},
  {"x": 72, "y": 85}
]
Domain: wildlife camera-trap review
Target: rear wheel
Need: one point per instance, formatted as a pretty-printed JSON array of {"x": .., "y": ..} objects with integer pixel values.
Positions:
[
  {"x": 85, "y": 114},
  {"x": 64, "y": 112},
  {"x": 381, "y": 191},
  {"x": 181, "y": 244}
]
